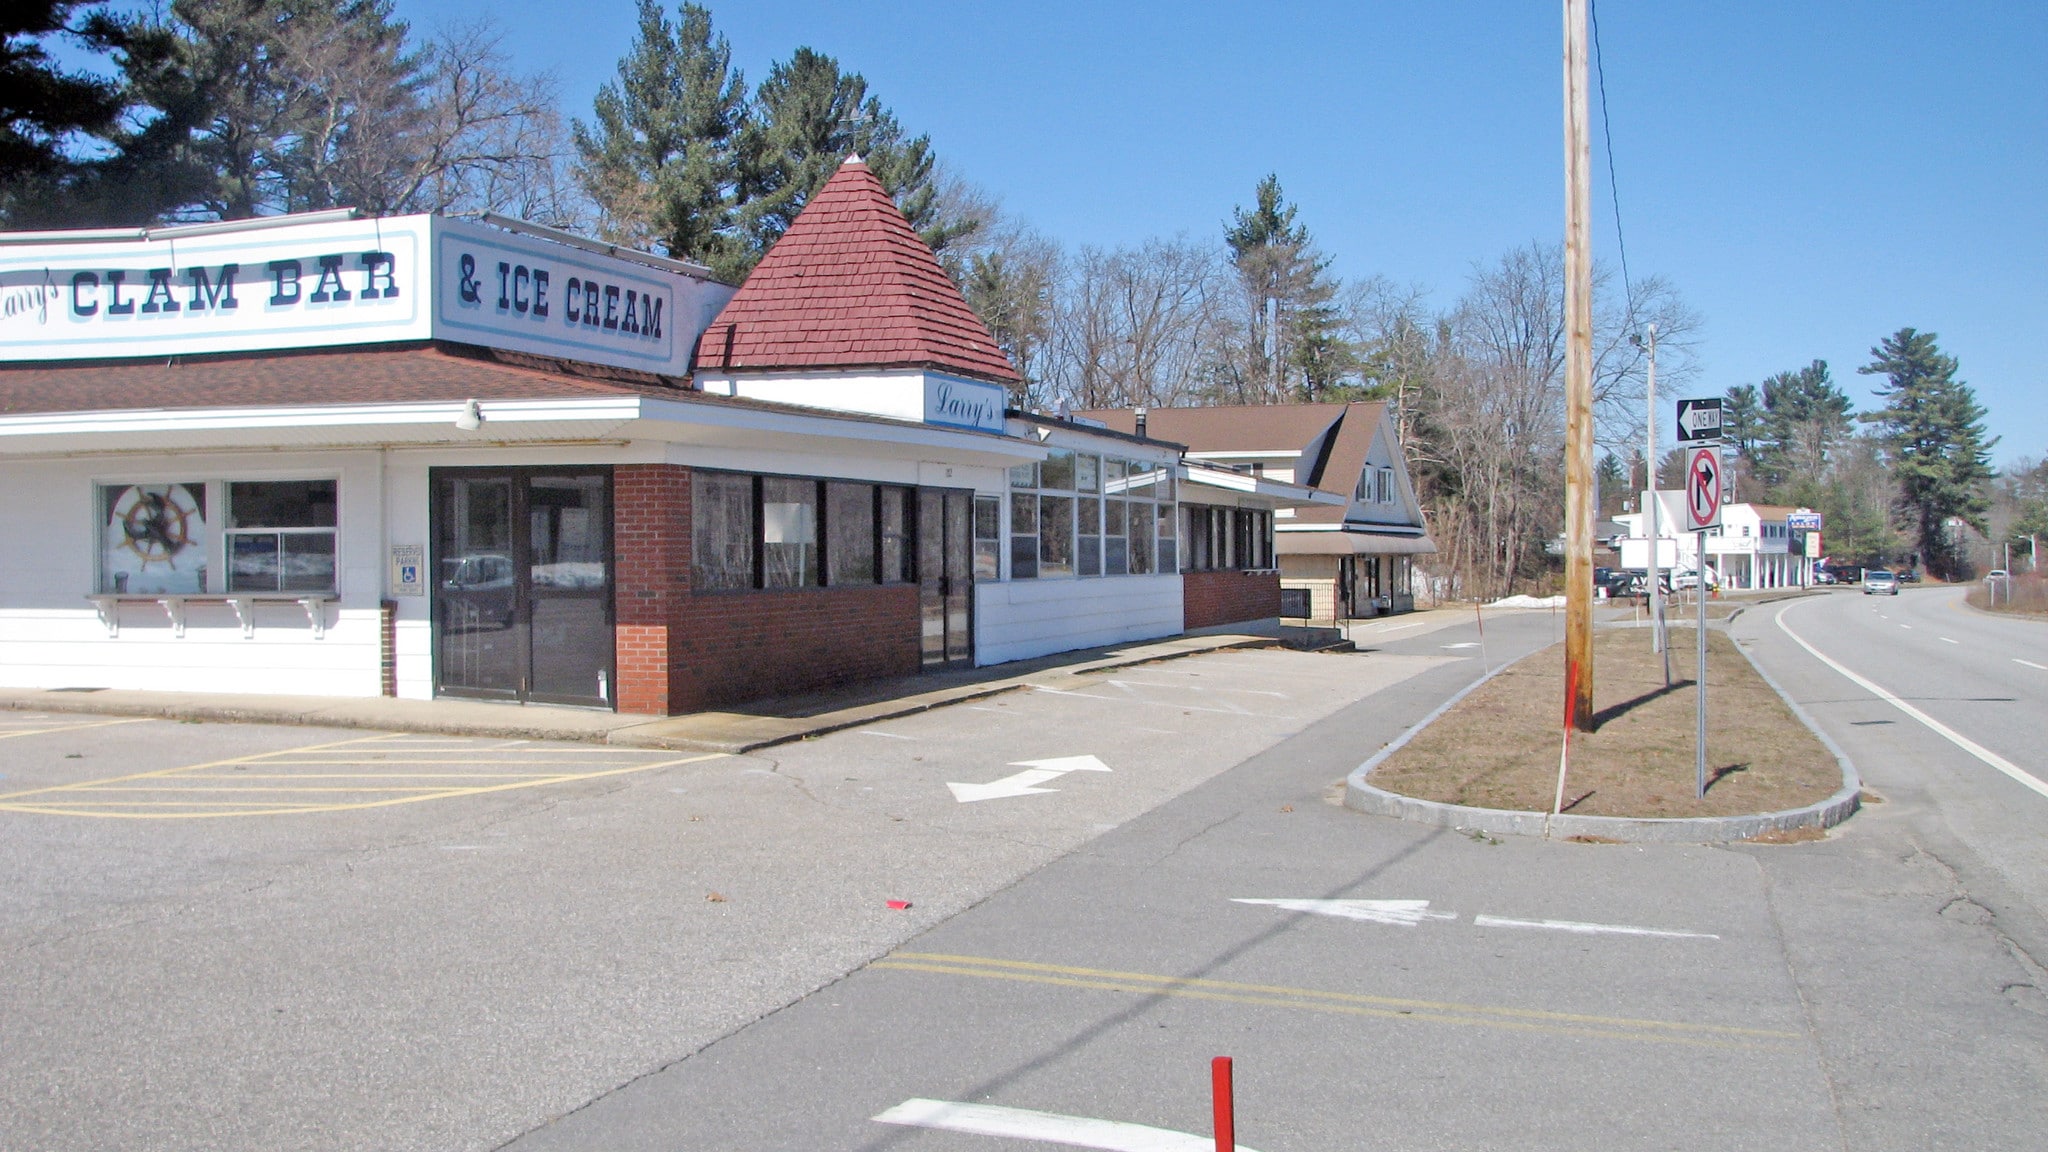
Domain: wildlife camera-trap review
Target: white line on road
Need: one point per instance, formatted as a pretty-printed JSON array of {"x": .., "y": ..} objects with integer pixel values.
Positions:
[
  {"x": 1946, "y": 640},
  {"x": 1484, "y": 921},
  {"x": 1405, "y": 913},
  {"x": 2030, "y": 664},
  {"x": 1197, "y": 687},
  {"x": 1382, "y": 630},
  {"x": 885, "y": 735},
  {"x": 1046, "y": 1127},
  {"x": 1937, "y": 727},
  {"x": 1466, "y": 644},
  {"x": 1907, "y": 627}
]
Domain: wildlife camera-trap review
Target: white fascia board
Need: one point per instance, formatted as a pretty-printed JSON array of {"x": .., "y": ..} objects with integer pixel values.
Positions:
[
  {"x": 1286, "y": 495},
  {"x": 1271, "y": 453},
  {"x": 678, "y": 421},
  {"x": 158, "y": 421},
  {"x": 1403, "y": 530}
]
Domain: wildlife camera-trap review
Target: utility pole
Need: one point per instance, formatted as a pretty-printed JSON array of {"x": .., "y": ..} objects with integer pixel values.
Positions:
[
  {"x": 1659, "y": 642},
  {"x": 1578, "y": 375}
]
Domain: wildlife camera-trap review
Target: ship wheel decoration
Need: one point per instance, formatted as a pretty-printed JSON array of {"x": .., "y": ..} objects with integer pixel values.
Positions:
[{"x": 156, "y": 524}]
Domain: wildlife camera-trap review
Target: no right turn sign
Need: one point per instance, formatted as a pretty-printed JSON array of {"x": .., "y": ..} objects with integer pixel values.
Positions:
[{"x": 1702, "y": 488}]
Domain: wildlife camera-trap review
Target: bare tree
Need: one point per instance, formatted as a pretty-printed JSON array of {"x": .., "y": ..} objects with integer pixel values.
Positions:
[{"x": 1136, "y": 325}]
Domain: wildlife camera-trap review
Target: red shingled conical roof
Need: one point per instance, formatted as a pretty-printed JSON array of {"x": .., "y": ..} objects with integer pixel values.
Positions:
[{"x": 850, "y": 285}]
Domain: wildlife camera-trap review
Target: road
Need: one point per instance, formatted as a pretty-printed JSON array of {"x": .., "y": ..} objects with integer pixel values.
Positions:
[
  {"x": 1872, "y": 991},
  {"x": 245, "y": 937},
  {"x": 547, "y": 969}
]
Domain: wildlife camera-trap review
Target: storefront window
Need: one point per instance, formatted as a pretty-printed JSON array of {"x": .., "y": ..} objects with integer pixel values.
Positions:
[
  {"x": 280, "y": 536},
  {"x": 153, "y": 538},
  {"x": 789, "y": 532},
  {"x": 1023, "y": 535},
  {"x": 850, "y": 533},
  {"x": 988, "y": 538},
  {"x": 1092, "y": 516},
  {"x": 722, "y": 521},
  {"x": 1055, "y": 535},
  {"x": 897, "y": 554}
]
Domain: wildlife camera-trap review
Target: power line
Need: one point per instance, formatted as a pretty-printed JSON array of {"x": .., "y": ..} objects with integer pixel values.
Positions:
[{"x": 1607, "y": 135}]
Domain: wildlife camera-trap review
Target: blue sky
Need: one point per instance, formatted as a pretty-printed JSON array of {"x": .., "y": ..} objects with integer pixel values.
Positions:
[{"x": 1811, "y": 176}]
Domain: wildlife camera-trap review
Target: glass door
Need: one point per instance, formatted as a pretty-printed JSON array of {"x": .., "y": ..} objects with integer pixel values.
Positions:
[
  {"x": 945, "y": 575},
  {"x": 479, "y": 628},
  {"x": 522, "y": 592}
]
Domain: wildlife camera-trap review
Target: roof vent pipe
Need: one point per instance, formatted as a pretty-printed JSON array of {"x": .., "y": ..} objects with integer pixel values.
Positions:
[{"x": 1140, "y": 413}]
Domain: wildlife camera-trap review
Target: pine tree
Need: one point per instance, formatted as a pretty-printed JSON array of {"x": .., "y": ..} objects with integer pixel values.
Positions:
[
  {"x": 1933, "y": 432},
  {"x": 808, "y": 116},
  {"x": 1277, "y": 260},
  {"x": 44, "y": 107},
  {"x": 1805, "y": 419},
  {"x": 661, "y": 159}
]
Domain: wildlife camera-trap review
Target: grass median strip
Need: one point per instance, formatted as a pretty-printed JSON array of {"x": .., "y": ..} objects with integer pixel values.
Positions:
[
  {"x": 1342, "y": 1003},
  {"x": 1498, "y": 747}
]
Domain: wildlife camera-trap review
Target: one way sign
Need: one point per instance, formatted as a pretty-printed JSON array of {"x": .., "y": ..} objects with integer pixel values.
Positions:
[{"x": 1699, "y": 421}]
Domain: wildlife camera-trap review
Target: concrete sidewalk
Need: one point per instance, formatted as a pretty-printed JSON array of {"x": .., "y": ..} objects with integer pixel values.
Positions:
[{"x": 746, "y": 727}]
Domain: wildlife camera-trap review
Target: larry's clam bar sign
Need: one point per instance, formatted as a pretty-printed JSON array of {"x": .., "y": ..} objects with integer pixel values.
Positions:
[{"x": 335, "y": 283}]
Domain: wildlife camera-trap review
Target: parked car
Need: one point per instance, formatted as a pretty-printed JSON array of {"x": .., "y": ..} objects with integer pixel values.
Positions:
[
  {"x": 1823, "y": 576},
  {"x": 1908, "y": 576},
  {"x": 1686, "y": 578},
  {"x": 1878, "y": 582},
  {"x": 1997, "y": 574},
  {"x": 1617, "y": 581}
]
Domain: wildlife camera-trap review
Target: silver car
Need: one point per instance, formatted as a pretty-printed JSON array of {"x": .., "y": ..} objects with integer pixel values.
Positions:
[{"x": 1878, "y": 582}]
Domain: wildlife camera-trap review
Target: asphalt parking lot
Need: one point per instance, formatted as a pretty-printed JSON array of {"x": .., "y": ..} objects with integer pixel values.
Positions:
[{"x": 228, "y": 936}]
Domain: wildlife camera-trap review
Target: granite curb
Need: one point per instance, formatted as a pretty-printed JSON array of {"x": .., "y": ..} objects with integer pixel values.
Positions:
[{"x": 1366, "y": 797}]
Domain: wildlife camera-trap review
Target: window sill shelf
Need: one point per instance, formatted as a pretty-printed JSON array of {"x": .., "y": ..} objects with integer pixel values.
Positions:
[{"x": 315, "y": 604}]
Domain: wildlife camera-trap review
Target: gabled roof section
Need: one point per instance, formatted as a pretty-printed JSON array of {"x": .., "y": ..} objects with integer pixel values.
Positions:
[
  {"x": 851, "y": 285},
  {"x": 1229, "y": 428}
]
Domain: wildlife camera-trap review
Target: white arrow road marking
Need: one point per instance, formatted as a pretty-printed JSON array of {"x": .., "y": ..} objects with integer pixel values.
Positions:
[
  {"x": 1484, "y": 921},
  {"x": 1026, "y": 783},
  {"x": 1406, "y": 913},
  {"x": 2018, "y": 774},
  {"x": 1046, "y": 1127}
]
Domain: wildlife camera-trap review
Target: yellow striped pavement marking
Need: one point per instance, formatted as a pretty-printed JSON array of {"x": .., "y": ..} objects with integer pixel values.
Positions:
[
  {"x": 1343, "y": 1003},
  {"x": 211, "y": 789}
]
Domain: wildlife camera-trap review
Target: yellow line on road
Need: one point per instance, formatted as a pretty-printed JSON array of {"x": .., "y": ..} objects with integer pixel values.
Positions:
[
  {"x": 379, "y": 776},
  {"x": 251, "y": 757},
  {"x": 1344, "y": 1003},
  {"x": 69, "y": 727},
  {"x": 72, "y": 798},
  {"x": 366, "y": 761}
]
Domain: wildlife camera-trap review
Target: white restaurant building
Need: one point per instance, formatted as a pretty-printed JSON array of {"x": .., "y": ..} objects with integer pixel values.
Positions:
[
  {"x": 1753, "y": 549},
  {"x": 422, "y": 456}
]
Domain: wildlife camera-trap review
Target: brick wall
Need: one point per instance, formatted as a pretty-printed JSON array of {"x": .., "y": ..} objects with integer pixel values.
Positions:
[
  {"x": 681, "y": 652},
  {"x": 1212, "y": 598},
  {"x": 734, "y": 646}
]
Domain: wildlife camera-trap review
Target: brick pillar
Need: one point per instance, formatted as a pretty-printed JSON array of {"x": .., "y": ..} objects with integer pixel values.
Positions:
[{"x": 651, "y": 579}]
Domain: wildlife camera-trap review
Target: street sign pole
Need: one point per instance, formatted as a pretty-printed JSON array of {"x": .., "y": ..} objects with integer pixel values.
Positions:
[
  {"x": 1703, "y": 491},
  {"x": 1699, "y": 767}
]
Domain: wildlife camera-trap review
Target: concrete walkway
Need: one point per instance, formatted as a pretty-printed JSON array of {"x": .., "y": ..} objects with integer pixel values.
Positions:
[{"x": 741, "y": 729}]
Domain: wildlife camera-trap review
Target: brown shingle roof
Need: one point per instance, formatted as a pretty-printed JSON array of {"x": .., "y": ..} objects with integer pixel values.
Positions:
[
  {"x": 1272, "y": 428},
  {"x": 1229, "y": 428},
  {"x": 851, "y": 285},
  {"x": 387, "y": 375}
]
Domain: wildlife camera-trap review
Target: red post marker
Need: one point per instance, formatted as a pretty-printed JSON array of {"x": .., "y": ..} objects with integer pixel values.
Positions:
[
  {"x": 899, "y": 905},
  {"x": 1226, "y": 1121}
]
